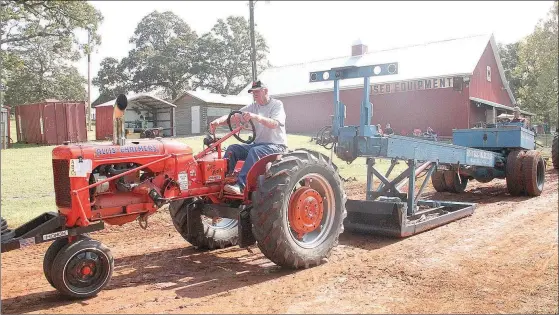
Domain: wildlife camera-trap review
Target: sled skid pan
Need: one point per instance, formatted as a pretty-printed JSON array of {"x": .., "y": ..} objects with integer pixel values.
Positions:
[{"x": 386, "y": 217}]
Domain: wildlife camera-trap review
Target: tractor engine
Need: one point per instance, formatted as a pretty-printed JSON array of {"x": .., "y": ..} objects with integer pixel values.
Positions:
[{"x": 119, "y": 183}]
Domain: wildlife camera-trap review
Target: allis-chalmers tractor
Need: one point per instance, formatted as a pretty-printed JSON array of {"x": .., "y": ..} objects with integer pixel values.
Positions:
[{"x": 293, "y": 205}]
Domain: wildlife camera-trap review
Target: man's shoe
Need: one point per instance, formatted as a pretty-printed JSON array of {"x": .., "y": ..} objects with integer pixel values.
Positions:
[{"x": 233, "y": 189}]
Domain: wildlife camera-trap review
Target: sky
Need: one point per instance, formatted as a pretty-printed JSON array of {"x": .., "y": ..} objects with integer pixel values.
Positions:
[{"x": 297, "y": 32}]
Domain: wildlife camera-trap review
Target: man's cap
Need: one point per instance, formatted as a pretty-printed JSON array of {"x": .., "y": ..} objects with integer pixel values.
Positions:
[{"x": 258, "y": 85}]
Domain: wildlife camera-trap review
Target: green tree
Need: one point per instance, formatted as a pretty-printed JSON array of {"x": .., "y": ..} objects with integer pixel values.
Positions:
[
  {"x": 509, "y": 58},
  {"x": 224, "y": 56},
  {"x": 21, "y": 21},
  {"x": 112, "y": 79},
  {"x": 538, "y": 66},
  {"x": 40, "y": 71},
  {"x": 163, "y": 56}
]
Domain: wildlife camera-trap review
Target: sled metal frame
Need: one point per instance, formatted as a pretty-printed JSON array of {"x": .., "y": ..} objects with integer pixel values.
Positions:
[{"x": 387, "y": 210}]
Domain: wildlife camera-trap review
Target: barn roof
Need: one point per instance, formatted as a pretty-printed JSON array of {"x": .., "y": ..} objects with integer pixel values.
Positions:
[
  {"x": 453, "y": 57},
  {"x": 144, "y": 99},
  {"x": 215, "y": 98}
]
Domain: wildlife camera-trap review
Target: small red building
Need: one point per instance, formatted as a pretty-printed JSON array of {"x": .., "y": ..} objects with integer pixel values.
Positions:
[
  {"x": 448, "y": 84},
  {"x": 51, "y": 122}
]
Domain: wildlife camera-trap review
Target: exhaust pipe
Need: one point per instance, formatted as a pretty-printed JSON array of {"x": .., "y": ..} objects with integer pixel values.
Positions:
[{"x": 119, "y": 137}]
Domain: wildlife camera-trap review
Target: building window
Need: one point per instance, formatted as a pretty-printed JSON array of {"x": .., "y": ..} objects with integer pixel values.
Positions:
[{"x": 488, "y": 74}]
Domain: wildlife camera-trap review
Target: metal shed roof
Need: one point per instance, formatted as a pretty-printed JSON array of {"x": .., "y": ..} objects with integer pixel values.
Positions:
[
  {"x": 142, "y": 99},
  {"x": 500, "y": 106},
  {"x": 454, "y": 57},
  {"x": 219, "y": 98}
]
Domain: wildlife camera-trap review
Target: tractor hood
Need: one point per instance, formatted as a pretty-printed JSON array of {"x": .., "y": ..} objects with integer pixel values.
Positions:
[{"x": 137, "y": 148}]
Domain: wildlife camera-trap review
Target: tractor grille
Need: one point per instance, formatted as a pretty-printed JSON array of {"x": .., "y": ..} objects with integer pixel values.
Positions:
[{"x": 61, "y": 170}]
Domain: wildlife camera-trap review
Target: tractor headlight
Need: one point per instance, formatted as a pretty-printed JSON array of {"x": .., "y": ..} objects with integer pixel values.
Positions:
[
  {"x": 376, "y": 70},
  {"x": 325, "y": 75}
]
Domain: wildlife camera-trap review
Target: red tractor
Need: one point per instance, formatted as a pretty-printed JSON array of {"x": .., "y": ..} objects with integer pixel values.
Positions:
[{"x": 293, "y": 205}]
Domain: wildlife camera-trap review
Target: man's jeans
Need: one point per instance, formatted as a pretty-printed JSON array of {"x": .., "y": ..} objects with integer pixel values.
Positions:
[{"x": 250, "y": 153}]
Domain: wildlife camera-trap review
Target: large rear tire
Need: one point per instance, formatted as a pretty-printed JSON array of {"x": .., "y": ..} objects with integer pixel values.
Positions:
[
  {"x": 298, "y": 210},
  {"x": 454, "y": 182},
  {"x": 204, "y": 234},
  {"x": 555, "y": 151},
  {"x": 437, "y": 179},
  {"x": 533, "y": 171},
  {"x": 513, "y": 173}
]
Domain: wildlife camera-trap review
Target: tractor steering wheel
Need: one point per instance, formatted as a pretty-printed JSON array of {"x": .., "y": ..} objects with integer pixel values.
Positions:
[{"x": 245, "y": 126}]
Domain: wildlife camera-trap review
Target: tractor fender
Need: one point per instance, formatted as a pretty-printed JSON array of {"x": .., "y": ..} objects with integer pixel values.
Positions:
[{"x": 259, "y": 168}]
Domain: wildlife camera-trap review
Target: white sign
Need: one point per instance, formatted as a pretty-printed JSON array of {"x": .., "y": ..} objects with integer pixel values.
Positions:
[
  {"x": 80, "y": 169},
  {"x": 55, "y": 235},
  {"x": 414, "y": 85},
  {"x": 183, "y": 181}
]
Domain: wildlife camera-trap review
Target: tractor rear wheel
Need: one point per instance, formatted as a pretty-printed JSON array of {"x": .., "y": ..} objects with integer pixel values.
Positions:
[
  {"x": 82, "y": 268},
  {"x": 298, "y": 210},
  {"x": 437, "y": 179},
  {"x": 555, "y": 151},
  {"x": 204, "y": 233},
  {"x": 533, "y": 171}
]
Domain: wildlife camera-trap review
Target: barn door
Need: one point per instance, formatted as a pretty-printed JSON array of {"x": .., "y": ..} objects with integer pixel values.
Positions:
[
  {"x": 195, "y": 110},
  {"x": 48, "y": 124}
]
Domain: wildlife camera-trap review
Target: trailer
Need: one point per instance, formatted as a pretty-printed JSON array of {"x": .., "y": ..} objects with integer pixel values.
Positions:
[{"x": 498, "y": 151}]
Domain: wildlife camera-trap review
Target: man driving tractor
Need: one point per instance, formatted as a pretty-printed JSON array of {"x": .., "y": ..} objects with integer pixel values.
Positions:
[{"x": 268, "y": 117}]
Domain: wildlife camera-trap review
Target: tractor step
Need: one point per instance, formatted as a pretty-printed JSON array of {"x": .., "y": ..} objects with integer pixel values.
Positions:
[{"x": 389, "y": 216}]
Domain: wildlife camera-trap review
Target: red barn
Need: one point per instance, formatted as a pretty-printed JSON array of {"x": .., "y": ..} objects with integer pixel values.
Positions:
[{"x": 448, "y": 84}]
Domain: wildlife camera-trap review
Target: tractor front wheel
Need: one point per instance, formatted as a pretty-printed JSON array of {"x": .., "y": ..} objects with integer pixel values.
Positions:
[
  {"x": 298, "y": 210},
  {"x": 51, "y": 253},
  {"x": 205, "y": 233},
  {"x": 82, "y": 268}
]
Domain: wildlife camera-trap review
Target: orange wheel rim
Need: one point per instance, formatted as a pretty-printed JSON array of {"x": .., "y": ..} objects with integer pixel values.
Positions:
[{"x": 305, "y": 211}]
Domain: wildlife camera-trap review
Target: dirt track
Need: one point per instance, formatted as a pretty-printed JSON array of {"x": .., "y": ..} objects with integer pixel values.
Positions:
[{"x": 504, "y": 258}]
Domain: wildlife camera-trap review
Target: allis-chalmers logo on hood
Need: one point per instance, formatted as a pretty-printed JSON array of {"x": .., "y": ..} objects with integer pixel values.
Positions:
[{"x": 126, "y": 149}]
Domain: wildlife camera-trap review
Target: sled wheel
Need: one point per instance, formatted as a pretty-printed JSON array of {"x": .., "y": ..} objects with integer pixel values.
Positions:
[
  {"x": 555, "y": 151},
  {"x": 454, "y": 182},
  {"x": 83, "y": 268},
  {"x": 51, "y": 253},
  {"x": 205, "y": 233},
  {"x": 437, "y": 179},
  {"x": 533, "y": 171},
  {"x": 298, "y": 210},
  {"x": 513, "y": 173}
]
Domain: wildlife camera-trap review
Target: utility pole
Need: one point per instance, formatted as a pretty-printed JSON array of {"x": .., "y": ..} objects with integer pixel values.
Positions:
[
  {"x": 252, "y": 40},
  {"x": 89, "y": 79}
]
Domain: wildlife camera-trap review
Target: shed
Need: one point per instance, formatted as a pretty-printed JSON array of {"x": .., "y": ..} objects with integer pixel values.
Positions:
[
  {"x": 5, "y": 126},
  {"x": 143, "y": 111},
  {"x": 447, "y": 84},
  {"x": 196, "y": 109},
  {"x": 51, "y": 122}
]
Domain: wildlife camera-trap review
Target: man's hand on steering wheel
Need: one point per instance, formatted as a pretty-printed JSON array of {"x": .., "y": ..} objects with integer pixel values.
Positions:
[{"x": 248, "y": 116}]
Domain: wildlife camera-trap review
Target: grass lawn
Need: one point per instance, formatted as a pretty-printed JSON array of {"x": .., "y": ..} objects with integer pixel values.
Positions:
[{"x": 28, "y": 184}]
